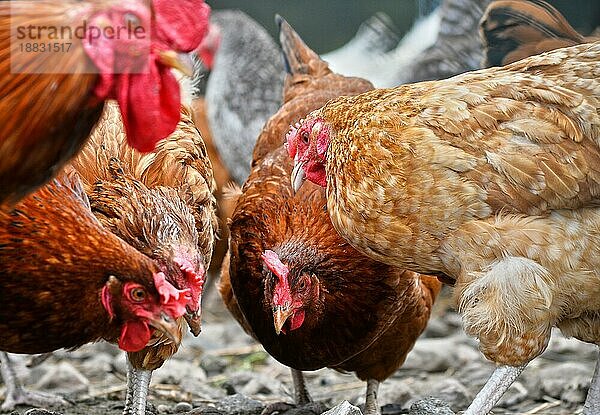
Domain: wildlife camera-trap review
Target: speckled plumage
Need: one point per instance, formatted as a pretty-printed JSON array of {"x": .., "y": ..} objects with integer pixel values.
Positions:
[
  {"x": 491, "y": 178},
  {"x": 515, "y": 29},
  {"x": 160, "y": 202}
]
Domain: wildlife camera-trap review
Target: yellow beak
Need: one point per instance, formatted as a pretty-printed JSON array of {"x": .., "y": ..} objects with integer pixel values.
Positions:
[
  {"x": 180, "y": 61},
  {"x": 298, "y": 176},
  {"x": 280, "y": 316},
  {"x": 168, "y": 327}
]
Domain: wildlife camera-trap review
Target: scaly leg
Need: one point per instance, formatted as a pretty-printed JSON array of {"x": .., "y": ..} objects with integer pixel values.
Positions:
[
  {"x": 592, "y": 401},
  {"x": 17, "y": 395},
  {"x": 371, "y": 405},
  {"x": 493, "y": 390},
  {"x": 301, "y": 395},
  {"x": 138, "y": 384}
]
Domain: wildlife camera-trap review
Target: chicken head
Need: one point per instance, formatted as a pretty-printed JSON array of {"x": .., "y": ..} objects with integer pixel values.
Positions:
[
  {"x": 307, "y": 143},
  {"x": 142, "y": 310}
]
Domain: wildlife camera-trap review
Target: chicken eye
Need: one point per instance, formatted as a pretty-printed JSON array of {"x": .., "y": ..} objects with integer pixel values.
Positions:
[
  {"x": 302, "y": 284},
  {"x": 137, "y": 294},
  {"x": 304, "y": 137}
]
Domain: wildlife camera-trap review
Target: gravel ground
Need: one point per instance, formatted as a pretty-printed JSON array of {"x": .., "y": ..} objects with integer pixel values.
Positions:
[{"x": 223, "y": 371}]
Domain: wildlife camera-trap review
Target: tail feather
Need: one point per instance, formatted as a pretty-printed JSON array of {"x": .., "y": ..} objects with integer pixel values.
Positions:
[{"x": 515, "y": 29}]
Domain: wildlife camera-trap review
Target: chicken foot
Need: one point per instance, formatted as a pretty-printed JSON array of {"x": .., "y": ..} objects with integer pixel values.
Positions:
[
  {"x": 17, "y": 395},
  {"x": 592, "y": 401},
  {"x": 301, "y": 398},
  {"x": 492, "y": 391},
  {"x": 138, "y": 384}
]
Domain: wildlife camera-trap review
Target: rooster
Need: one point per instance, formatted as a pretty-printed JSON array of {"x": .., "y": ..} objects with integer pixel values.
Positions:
[
  {"x": 66, "y": 281},
  {"x": 490, "y": 179},
  {"x": 51, "y": 101},
  {"x": 514, "y": 29},
  {"x": 162, "y": 204},
  {"x": 290, "y": 277}
]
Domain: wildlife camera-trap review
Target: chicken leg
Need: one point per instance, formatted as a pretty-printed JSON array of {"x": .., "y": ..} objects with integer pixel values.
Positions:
[
  {"x": 592, "y": 401},
  {"x": 371, "y": 405},
  {"x": 17, "y": 395},
  {"x": 138, "y": 384},
  {"x": 493, "y": 390},
  {"x": 301, "y": 398}
]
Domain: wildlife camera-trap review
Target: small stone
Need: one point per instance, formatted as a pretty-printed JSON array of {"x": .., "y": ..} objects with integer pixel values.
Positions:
[
  {"x": 174, "y": 371},
  {"x": 344, "y": 408},
  {"x": 565, "y": 378},
  {"x": 39, "y": 411},
  {"x": 183, "y": 407},
  {"x": 62, "y": 378},
  {"x": 430, "y": 406},
  {"x": 395, "y": 391},
  {"x": 163, "y": 409},
  {"x": 205, "y": 410},
  {"x": 239, "y": 405},
  {"x": 452, "y": 392},
  {"x": 213, "y": 365},
  {"x": 201, "y": 389}
]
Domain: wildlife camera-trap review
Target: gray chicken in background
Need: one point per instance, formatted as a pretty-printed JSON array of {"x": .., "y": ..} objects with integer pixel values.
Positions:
[
  {"x": 458, "y": 47},
  {"x": 374, "y": 38},
  {"x": 244, "y": 88}
]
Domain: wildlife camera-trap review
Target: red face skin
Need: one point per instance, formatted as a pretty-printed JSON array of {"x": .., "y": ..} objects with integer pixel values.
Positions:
[
  {"x": 307, "y": 144},
  {"x": 282, "y": 295},
  {"x": 138, "y": 307},
  {"x": 209, "y": 46},
  {"x": 130, "y": 66},
  {"x": 194, "y": 281}
]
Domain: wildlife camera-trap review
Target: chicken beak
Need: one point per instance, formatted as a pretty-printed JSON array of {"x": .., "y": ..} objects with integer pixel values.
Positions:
[
  {"x": 298, "y": 176},
  {"x": 280, "y": 316},
  {"x": 167, "y": 326},
  {"x": 180, "y": 61},
  {"x": 194, "y": 322}
]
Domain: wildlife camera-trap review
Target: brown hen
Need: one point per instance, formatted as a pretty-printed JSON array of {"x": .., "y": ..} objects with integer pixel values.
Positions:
[
  {"x": 66, "y": 281},
  {"x": 162, "y": 204},
  {"x": 290, "y": 277},
  {"x": 52, "y": 99},
  {"x": 491, "y": 178}
]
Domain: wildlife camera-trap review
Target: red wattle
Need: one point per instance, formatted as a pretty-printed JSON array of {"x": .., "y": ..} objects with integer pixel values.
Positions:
[
  {"x": 150, "y": 106},
  {"x": 135, "y": 335}
]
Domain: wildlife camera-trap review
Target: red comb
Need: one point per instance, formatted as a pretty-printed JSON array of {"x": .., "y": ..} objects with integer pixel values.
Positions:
[
  {"x": 275, "y": 265},
  {"x": 281, "y": 293},
  {"x": 173, "y": 300},
  {"x": 181, "y": 24}
]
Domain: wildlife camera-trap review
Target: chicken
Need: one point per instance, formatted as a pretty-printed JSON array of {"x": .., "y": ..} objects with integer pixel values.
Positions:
[
  {"x": 490, "y": 179},
  {"x": 290, "y": 277},
  {"x": 161, "y": 203},
  {"x": 66, "y": 281},
  {"x": 375, "y": 37},
  {"x": 51, "y": 101},
  {"x": 457, "y": 48},
  {"x": 222, "y": 180},
  {"x": 243, "y": 89},
  {"x": 513, "y": 30}
]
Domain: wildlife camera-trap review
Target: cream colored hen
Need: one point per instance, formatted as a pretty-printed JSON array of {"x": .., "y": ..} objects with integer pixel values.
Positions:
[{"x": 491, "y": 178}]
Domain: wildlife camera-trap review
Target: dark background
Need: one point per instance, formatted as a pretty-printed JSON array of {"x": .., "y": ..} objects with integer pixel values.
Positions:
[{"x": 327, "y": 24}]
